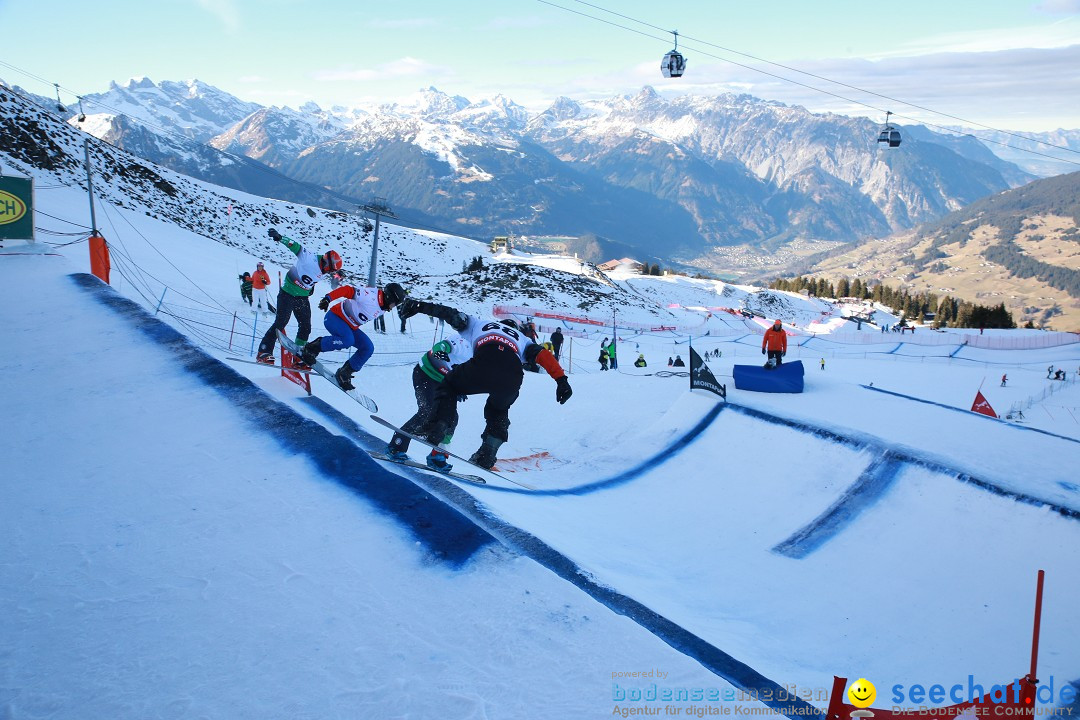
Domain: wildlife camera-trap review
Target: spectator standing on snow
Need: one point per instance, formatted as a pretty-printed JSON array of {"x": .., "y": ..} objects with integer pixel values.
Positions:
[
  {"x": 556, "y": 342},
  {"x": 245, "y": 287},
  {"x": 774, "y": 344},
  {"x": 1004, "y": 379},
  {"x": 260, "y": 282}
]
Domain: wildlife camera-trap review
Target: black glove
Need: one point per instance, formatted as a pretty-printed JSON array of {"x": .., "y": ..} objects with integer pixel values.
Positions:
[
  {"x": 462, "y": 398},
  {"x": 324, "y": 303},
  {"x": 274, "y": 234},
  {"x": 562, "y": 390},
  {"x": 783, "y": 354},
  {"x": 407, "y": 308},
  {"x": 762, "y": 351}
]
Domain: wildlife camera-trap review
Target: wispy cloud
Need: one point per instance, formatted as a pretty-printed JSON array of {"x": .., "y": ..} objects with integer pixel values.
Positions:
[
  {"x": 1056, "y": 34},
  {"x": 1059, "y": 7},
  {"x": 406, "y": 23},
  {"x": 1012, "y": 89},
  {"x": 516, "y": 23},
  {"x": 403, "y": 67},
  {"x": 223, "y": 10}
]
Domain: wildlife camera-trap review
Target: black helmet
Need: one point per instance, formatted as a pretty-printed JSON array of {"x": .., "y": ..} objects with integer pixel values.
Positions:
[
  {"x": 393, "y": 294},
  {"x": 511, "y": 322}
]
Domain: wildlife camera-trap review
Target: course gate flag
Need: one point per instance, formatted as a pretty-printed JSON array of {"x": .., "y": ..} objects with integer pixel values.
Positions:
[
  {"x": 701, "y": 378},
  {"x": 982, "y": 406}
]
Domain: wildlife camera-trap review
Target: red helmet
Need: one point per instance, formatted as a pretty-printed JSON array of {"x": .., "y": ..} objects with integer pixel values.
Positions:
[{"x": 330, "y": 261}]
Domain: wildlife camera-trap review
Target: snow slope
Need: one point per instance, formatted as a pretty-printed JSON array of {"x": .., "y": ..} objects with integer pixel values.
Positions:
[{"x": 187, "y": 537}]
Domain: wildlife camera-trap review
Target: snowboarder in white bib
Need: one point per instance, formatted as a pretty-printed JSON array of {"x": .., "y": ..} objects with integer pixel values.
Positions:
[
  {"x": 427, "y": 378},
  {"x": 292, "y": 299},
  {"x": 499, "y": 349},
  {"x": 352, "y": 307}
]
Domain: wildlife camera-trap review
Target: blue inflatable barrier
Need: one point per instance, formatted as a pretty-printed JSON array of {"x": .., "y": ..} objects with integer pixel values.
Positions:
[{"x": 786, "y": 378}]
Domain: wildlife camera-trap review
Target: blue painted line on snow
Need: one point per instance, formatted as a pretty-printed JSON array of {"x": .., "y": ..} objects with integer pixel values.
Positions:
[
  {"x": 873, "y": 484},
  {"x": 669, "y": 452},
  {"x": 714, "y": 659},
  {"x": 898, "y": 346},
  {"x": 903, "y": 455},
  {"x": 442, "y": 529},
  {"x": 971, "y": 414},
  {"x": 958, "y": 349}
]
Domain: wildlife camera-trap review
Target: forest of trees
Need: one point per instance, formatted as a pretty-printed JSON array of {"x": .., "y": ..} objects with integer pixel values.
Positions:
[{"x": 948, "y": 311}]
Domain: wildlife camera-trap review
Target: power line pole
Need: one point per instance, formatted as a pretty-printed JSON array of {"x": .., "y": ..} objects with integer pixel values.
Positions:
[{"x": 378, "y": 207}]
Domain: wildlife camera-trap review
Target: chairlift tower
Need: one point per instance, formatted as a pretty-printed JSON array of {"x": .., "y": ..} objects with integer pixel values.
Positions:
[{"x": 376, "y": 206}]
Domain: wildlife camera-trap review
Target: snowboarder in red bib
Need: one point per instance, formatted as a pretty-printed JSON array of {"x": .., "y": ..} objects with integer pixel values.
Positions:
[
  {"x": 352, "y": 307},
  {"x": 499, "y": 350},
  {"x": 775, "y": 345},
  {"x": 293, "y": 296}
]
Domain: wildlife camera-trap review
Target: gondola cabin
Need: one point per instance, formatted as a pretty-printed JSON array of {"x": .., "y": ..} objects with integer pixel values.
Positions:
[
  {"x": 889, "y": 135},
  {"x": 673, "y": 64}
]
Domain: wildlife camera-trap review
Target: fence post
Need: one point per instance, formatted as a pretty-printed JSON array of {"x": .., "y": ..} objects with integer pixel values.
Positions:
[
  {"x": 232, "y": 329},
  {"x": 161, "y": 299},
  {"x": 254, "y": 329}
]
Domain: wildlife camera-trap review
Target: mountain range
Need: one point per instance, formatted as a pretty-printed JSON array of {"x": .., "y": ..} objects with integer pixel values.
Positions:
[{"x": 710, "y": 182}]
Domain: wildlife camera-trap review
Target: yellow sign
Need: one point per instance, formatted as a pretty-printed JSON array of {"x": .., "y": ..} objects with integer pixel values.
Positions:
[{"x": 12, "y": 208}]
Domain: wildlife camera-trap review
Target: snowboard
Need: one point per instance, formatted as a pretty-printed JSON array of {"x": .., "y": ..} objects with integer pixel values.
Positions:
[
  {"x": 321, "y": 369},
  {"x": 475, "y": 479},
  {"x": 419, "y": 439}
]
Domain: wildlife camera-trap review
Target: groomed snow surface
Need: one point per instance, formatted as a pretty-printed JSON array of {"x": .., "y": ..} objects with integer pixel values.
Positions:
[{"x": 186, "y": 537}]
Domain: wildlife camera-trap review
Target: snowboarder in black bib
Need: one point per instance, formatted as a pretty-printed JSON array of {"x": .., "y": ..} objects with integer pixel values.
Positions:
[{"x": 499, "y": 350}]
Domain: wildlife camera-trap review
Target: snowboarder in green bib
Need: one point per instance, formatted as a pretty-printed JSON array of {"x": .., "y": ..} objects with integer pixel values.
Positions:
[{"x": 293, "y": 296}]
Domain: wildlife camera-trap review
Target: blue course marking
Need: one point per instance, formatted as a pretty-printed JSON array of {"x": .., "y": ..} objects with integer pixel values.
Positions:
[
  {"x": 970, "y": 413},
  {"x": 958, "y": 349},
  {"x": 905, "y": 456},
  {"x": 898, "y": 346},
  {"x": 717, "y": 661},
  {"x": 874, "y": 482},
  {"x": 370, "y": 442},
  {"x": 442, "y": 529}
]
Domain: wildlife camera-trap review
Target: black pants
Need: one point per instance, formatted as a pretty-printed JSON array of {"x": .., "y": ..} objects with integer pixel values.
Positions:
[
  {"x": 426, "y": 405},
  {"x": 495, "y": 371},
  {"x": 778, "y": 354},
  {"x": 288, "y": 306}
]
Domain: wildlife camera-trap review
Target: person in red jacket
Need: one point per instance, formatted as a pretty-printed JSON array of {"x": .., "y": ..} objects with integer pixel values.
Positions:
[
  {"x": 774, "y": 344},
  {"x": 260, "y": 281}
]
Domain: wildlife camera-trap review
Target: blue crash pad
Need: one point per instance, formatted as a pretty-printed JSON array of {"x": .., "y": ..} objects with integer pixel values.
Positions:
[{"x": 787, "y": 378}]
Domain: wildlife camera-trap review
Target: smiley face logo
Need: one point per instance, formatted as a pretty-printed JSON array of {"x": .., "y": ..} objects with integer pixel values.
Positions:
[{"x": 862, "y": 693}]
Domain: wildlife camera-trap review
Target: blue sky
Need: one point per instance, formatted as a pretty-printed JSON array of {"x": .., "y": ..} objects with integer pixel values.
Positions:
[{"x": 1009, "y": 64}]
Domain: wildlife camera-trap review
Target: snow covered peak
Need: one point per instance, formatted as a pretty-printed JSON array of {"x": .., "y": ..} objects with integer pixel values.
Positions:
[
  {"x": 431, "y": 103},
  {"x": 192, "y": 107}
]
